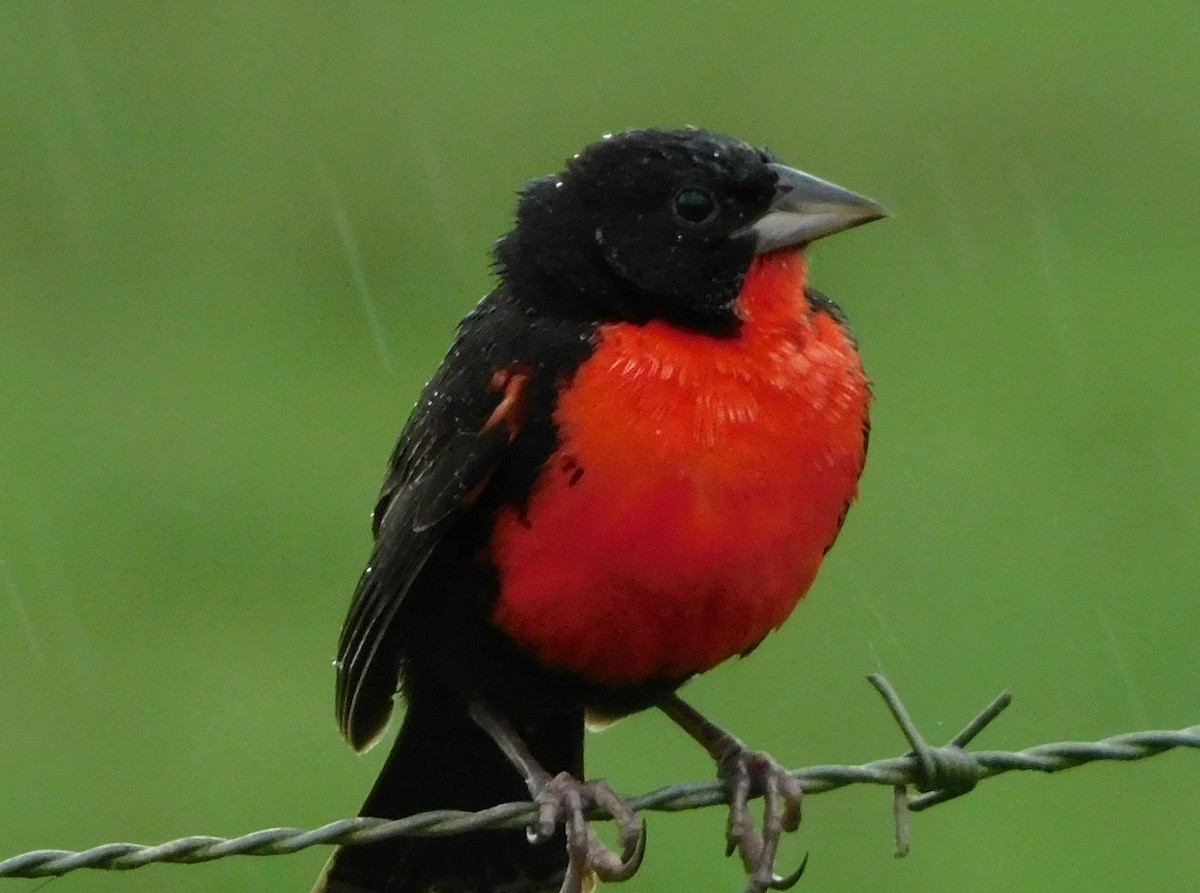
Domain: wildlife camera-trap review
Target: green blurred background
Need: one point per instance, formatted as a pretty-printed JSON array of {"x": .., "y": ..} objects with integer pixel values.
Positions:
[{"x": 200, "y": 202}]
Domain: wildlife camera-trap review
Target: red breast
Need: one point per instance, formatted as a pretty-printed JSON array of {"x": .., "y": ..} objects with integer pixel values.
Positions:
[{"x": 697, "y": 484}]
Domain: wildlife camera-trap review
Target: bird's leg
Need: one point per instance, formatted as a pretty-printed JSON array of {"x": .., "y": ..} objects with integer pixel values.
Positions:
[
  {"x": 564, "y": 798},
  {"x": 747, "y": 773}
]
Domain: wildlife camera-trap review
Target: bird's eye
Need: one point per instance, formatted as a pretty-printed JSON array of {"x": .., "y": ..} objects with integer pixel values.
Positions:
[{"x": 695, "y": 206}]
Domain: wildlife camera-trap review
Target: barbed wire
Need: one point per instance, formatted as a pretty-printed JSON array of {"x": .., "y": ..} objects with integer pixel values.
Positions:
[{"x": 938, "y": 773}]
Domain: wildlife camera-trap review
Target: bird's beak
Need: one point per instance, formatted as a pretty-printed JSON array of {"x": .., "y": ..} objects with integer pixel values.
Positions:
[{"x": 807, "y": 208}]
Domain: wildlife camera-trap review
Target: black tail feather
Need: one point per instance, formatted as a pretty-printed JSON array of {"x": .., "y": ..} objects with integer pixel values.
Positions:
[{"x": 443, "y": 760}]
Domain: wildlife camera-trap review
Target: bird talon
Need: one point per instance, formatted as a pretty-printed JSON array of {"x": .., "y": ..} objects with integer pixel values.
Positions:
[
  {"x": 634, "y": 845},
  {"x": 611, "y": 867},
  {"x": 786, "y": 883},
  {"x": 746, "y": 773},
  {"x": 566, "y": 799},
  {"x": 541, "y": 829}
]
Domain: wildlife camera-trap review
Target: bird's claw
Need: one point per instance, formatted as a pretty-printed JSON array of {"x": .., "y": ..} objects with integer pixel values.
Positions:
[
  {"x": 747, "y": 773},
  {"x": 566, "y": 799}
]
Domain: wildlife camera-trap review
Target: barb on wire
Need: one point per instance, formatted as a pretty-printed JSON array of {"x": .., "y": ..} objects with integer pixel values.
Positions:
[{"x": 938, "y": 773}]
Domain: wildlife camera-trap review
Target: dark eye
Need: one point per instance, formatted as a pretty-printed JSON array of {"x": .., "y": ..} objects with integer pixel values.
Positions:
[{"x": 695, "y": 205}]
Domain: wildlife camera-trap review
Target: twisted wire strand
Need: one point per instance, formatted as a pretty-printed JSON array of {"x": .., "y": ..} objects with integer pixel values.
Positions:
[{"x": 941, "y": 773}]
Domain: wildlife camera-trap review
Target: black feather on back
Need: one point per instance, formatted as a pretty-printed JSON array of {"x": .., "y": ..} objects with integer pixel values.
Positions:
[{"x": 443, "y": 460}]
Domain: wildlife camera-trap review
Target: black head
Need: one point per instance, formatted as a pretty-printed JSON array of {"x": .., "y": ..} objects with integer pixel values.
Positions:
[{"x": 663, "y": 224}]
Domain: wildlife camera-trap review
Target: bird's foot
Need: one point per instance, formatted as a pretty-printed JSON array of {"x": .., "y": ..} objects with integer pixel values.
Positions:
[
  {"x": 566, "y": 799},
  {"x": 748, "y": 773}
]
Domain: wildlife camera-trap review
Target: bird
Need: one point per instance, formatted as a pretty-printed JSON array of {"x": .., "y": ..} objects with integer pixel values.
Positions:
[{"x": 627, "y": 470}]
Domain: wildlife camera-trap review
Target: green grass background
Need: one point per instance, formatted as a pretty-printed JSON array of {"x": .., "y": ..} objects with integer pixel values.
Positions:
[{"x": 196, "y": 406}]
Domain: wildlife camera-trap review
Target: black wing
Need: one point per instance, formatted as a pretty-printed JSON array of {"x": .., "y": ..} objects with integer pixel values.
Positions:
[{"x": 453, "y": 440}]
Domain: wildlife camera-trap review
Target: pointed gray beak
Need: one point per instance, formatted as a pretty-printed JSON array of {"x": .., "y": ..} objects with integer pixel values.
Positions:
[{"x": 807, "y": 208}]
